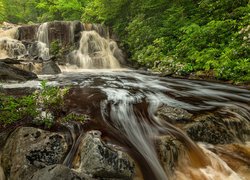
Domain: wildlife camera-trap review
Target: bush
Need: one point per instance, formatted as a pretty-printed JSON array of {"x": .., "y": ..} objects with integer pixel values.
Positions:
[
  {"x": 44, "y": 106},
  {"x": 50, "y": 103},
  {"x": 14, "y": 109}
]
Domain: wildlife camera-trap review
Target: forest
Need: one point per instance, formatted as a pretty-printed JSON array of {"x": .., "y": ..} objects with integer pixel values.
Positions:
[{"x": 202, "y": 37}]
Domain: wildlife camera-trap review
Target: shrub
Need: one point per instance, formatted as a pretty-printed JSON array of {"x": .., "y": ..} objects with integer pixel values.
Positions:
[
  {"x": 44, "y": 106},
  {"x": 14, "y": 109}
]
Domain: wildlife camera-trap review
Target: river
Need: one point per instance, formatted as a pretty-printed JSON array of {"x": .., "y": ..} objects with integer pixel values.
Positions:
[{"x": 123, "y": 105}]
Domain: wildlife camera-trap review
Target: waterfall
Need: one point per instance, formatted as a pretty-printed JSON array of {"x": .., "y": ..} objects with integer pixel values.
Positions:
[
  {"x": 95, "y": 52},
  {"x": 11, "y": 47},
  {"x": 43, "y": 34},
  {"x": 43, "y": 41}
]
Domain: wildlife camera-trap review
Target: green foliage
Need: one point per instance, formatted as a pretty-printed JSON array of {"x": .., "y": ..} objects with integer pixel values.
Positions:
[
  {"x": 2, "y": 11},
  {"x": 55, "y": 47},
  {"x": 181, "y": 36},
  {"x": 14, "y": 109},
  {"x": 44, "y": 106},
  {"x": 21, "y": 11},
  {"x": 51, "y": 98},
  {"x": 60, "y": 9}
]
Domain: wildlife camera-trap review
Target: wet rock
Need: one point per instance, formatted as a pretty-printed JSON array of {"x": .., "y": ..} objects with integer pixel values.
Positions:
[
  {"x": 101, "y": 161},
  {"x": 58, "y": 172},
  {"x": 50, "y": 67},
  {"x": 169, "y": 150},
  {"x": 173, "y": 114},
  {"x": 34, "y": 49},
  {"x": 65, "y": 32},
  {"x": 31, "y": 67},
  {"x": 215, "y": 129},
  {"x": 10, "y": 61},
  {"x": 11, "y": 47},
  {"x": 29, "y": 149},
  {"x": 27, "y": 33},
  {"x": 4, "y": 136},
  {"x": 2, "y": 175},
  {"x": 8, "y": 72}
]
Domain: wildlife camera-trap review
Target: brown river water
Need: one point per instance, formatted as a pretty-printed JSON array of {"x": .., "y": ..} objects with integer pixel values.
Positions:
[{"x": 122, "y": 104}]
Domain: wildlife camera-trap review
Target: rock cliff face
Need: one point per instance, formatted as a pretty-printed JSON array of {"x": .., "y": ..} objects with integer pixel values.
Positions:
[
  {"x": 66, "y": 32},
  {"x": 27, "y": 33}
]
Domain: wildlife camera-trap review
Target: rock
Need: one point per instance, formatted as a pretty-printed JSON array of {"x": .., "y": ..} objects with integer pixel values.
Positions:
[
  {"x": 216, "y": 129},
  {"x": 65, "y": 32},
  {"x": 2, "y": 176},
  {"x": 10, "y": 61},
  {"x": 8, "y": 72},
  {"x": 27, "y": 33},
  {"x": 50, "y": 67},
  {"x": 101, "y": 161},
  {"x": 173, "y": 114},
  {"x": 11, "y": 47},
  {"x": 35, "y": 49},
  {"x": 4, "y": 136},
  {"x": 31, "y": 67},
  {"x": 58, "y": 172},
  {"x": 169, "y": 150},
  {"x": 29, "y": 149}
]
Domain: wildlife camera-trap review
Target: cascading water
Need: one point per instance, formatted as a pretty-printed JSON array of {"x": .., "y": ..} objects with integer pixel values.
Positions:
[
  {"x": 123, "y": 105},
  {"x": 94, "y": 52},
  {"x": 43, "y": 41},
  {"x": 11, "y": 47}
]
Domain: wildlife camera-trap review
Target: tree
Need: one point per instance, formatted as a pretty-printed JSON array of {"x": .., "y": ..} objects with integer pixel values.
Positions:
[{"x": 2, "y": 11}]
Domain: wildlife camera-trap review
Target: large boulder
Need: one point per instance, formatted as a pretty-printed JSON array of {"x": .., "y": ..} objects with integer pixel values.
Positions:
[
  {"x": 8, "y": 72},
  {"x": 58, "y": 172},
  {"x": 30, "y": 149},
  {"x": 100, "y": 161},
  {"x": 50, "y": 67}
]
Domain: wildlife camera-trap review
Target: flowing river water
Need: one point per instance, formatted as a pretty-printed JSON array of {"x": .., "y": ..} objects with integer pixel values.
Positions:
[{"x": 123, "y": 104}]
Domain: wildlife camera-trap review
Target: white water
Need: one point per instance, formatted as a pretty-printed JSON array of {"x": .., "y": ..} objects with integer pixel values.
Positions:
[
  {"x": 217, "y": 170},
  {"x": 124, "y": 90},
  {"x": 43, "y": 41},
  {"x": 11, "y": 47},
  {"x": 94, "y": 52},
  {"x": 137, "y": 131}
]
